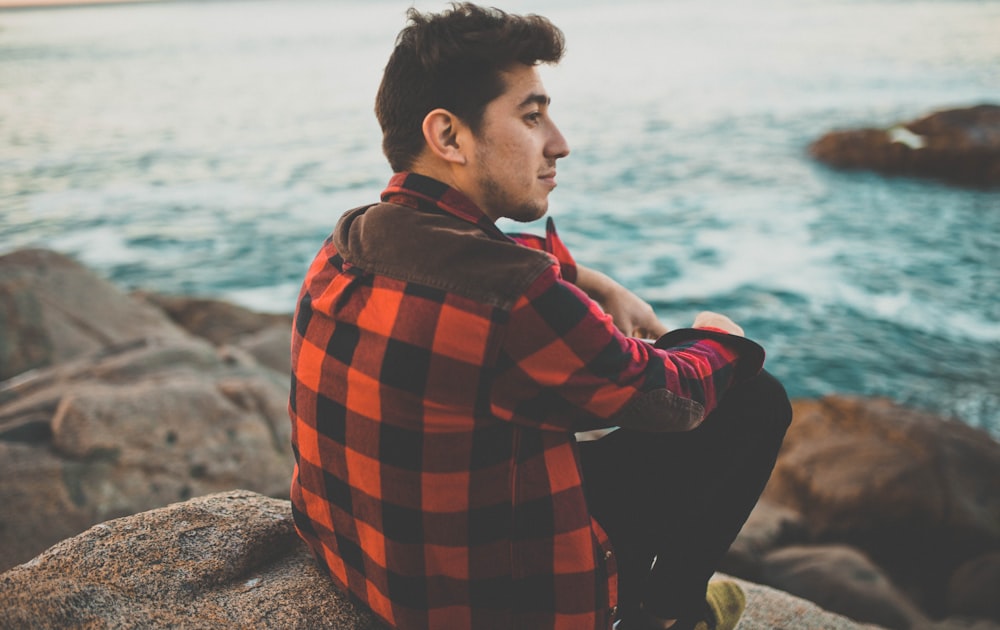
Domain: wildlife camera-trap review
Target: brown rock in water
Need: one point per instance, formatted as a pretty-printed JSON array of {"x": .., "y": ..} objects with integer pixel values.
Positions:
[
  {"x": 233, "y": 560},
  {"x": 53, "y": 309},
  {"x": 918, "y": 493},
  {"x": 957, "y": 145},
  {"x": 841, "y": 579}
]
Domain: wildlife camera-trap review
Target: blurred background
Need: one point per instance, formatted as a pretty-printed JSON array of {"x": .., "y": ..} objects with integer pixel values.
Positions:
[{"x": 207, "y": 148}]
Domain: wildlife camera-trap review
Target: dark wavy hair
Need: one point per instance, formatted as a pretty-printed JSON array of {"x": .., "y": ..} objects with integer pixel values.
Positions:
[{"x": 453, "y": 60}]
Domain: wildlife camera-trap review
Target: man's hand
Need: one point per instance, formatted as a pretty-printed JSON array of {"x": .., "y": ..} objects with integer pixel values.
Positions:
[
  {"x": 708, "y": 319},
  {"x": 630, "y": 313}
]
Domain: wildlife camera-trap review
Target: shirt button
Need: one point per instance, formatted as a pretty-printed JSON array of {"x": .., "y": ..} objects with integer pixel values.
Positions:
[{"x": 607, "y": 555}]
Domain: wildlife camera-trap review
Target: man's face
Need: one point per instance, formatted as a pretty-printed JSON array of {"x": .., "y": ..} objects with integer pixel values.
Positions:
[{"x": 513, "y": 164}]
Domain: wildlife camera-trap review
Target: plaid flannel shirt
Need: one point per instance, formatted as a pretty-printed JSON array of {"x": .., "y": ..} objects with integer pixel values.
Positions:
[{"x": 440, "y": 371}]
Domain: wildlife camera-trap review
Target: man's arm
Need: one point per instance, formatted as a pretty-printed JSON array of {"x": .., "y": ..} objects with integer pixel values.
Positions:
[
  {"x": 630, "y": 313},
  {"x": 564, "y": 364}
]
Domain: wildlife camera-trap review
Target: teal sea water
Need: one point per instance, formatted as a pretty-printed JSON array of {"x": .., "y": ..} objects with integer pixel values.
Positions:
[{"x": 208, "y": 147}]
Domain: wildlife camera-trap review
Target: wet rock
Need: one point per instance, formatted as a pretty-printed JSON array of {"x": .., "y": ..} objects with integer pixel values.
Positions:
[{"x": 961, "y": 146}]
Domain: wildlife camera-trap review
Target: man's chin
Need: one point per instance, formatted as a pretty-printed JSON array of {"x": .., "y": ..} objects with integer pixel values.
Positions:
[{"x": 529, "y": 214}]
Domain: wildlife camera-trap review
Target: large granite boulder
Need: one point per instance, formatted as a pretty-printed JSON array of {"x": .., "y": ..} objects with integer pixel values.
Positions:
[
  {"x": 918, "y": 493},
  {"x": 233, "y": 560},
  {"x": 957, "y": 145},
  {"x": 227, "y": 560}
]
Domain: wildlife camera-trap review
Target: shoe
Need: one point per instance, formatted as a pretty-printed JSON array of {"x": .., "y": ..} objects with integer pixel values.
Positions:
[{"x": 724, "y": 605}]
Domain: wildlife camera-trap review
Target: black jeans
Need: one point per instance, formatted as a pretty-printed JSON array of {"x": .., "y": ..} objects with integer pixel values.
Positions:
[{"x": 682, "y": 498}]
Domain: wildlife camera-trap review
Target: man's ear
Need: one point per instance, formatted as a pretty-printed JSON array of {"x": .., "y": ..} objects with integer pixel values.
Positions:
[{"x": 441, "y": 132}]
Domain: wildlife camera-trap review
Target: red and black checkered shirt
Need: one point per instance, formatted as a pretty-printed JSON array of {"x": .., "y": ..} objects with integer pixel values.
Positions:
[{"x": 440, "y": 371}]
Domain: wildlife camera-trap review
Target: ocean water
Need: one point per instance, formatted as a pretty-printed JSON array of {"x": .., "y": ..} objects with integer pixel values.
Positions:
[{"x": 207, "y": 148}]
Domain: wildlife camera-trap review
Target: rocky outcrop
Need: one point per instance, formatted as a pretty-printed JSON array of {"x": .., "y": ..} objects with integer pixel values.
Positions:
[
  {"x": 957, "y": 145},
  {"x": 882, "y": 513},
  {"x": 52, "y": 309},
  {"x": 232, "y": 560},
  {"x": 918, "y": 493},
  {"x": 266, "y": 336},
  {"x": 228, "y": 560},
  {"x": 131, "y": 412}
]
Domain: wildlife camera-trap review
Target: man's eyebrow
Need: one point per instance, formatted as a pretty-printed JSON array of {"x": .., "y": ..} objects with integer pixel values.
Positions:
[{"x": 535, "y": 99}]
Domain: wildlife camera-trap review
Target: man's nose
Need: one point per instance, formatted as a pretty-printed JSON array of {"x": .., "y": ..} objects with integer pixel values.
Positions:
[{"x": 557, "y": 146}]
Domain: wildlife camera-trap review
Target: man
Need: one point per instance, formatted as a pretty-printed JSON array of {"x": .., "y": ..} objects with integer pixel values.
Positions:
[{"x": 441, "y": 372}]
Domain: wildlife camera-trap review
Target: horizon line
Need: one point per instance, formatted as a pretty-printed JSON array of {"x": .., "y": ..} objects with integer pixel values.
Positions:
[{"x": 54, "y": 4}]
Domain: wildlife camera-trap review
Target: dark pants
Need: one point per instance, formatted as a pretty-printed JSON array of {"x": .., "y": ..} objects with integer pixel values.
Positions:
[{"x": 681, "y": 498}]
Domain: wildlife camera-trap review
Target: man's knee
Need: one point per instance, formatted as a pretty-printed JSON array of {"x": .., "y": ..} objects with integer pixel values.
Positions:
[
  {"x": 758, "y": 405},
  {"x": 770, "y": 399}
]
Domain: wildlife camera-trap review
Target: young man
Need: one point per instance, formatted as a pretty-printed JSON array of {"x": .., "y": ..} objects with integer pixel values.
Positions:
[{"x": 442, "y": 371}]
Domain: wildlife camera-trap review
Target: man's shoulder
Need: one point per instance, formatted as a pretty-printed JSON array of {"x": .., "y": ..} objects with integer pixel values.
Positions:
[{"x": 436, "y": 249}]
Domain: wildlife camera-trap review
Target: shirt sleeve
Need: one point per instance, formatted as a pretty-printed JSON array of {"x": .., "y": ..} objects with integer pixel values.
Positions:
[{"x": 564, "y": 366}]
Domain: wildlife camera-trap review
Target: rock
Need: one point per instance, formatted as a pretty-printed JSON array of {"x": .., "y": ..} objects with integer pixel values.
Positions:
[
  {"x": 53, "y": 309},
  {"x": 771, "y": 609},
  {"x": 231, "y": 560},
  {"x": 271, "y": 346},
  {"x": 133, "y": 429},
  {"x": 227, "y": 560},
  {"x": 266, "y": 336},
  {"x": 769, "y": 527},
  {"x": 964, "y": 623},
  {"x": 843, "y": 580},
  {"x": 112, "y": 409},
  {"x": 918, "y": 493},
  {"x": 974, "y": 588},
  {"x": 218, "y": 321},
  {"x": 957, "y": 145}
]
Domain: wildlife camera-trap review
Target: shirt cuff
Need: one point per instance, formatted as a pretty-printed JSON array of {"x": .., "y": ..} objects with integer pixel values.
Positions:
[{"x": 750, "y": 354}]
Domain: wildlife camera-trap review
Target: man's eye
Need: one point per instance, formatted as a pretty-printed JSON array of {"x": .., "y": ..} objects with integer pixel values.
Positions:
[{"x": 534, "y": 117}]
